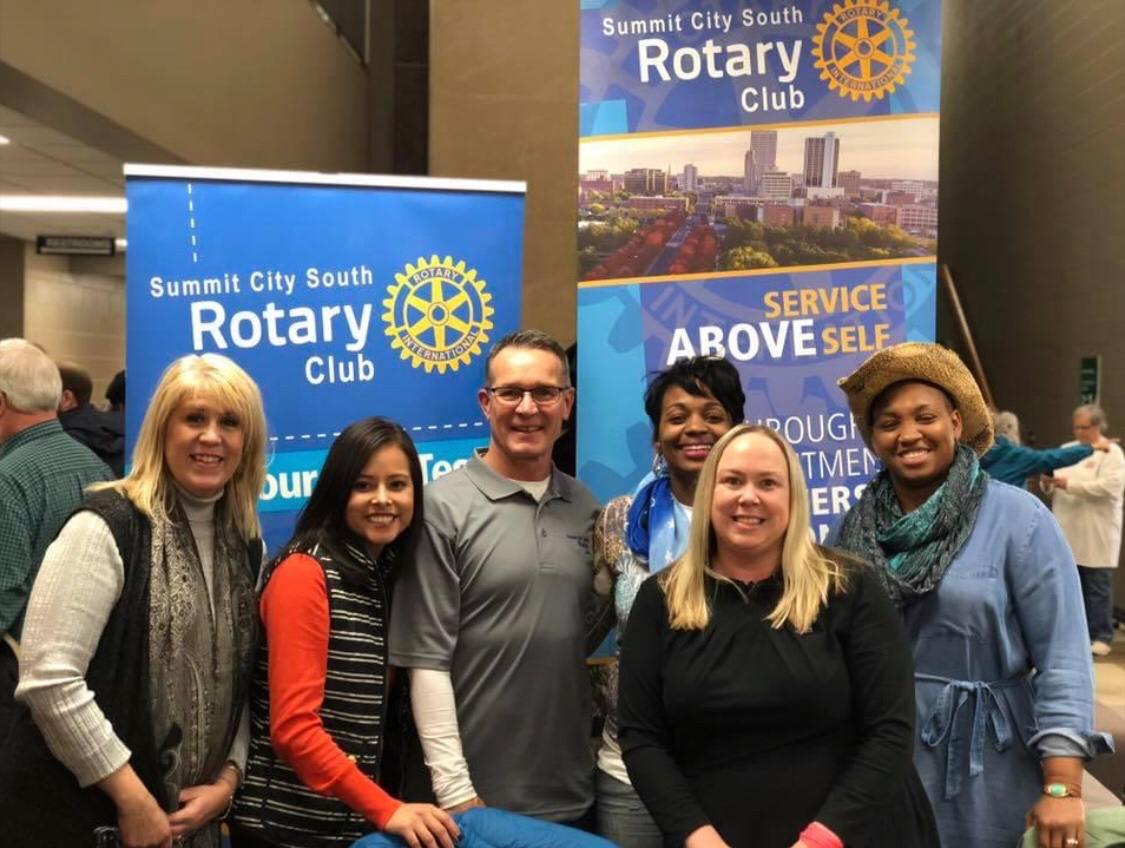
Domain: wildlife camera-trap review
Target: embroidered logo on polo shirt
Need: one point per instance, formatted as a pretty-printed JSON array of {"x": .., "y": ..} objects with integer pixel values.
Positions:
[{"x": 583, "y": 541}]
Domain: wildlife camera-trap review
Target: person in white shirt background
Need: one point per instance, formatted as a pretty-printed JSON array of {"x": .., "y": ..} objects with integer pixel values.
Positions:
[{"x": 1087, "y": 501}]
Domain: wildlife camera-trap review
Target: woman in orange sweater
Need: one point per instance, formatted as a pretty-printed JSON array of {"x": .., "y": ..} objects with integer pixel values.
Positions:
[{"x": 327, "y": 715}]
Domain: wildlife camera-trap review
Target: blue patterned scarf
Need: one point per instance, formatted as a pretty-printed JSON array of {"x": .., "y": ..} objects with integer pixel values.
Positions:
[{"x": 655, "y": 529}]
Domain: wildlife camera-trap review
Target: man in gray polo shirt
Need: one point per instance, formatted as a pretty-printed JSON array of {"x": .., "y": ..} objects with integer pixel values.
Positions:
[{"x": 489, "y": 616}]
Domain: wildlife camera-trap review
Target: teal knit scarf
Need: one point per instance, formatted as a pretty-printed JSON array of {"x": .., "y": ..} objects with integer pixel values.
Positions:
[{"x": 912, "y": 552}]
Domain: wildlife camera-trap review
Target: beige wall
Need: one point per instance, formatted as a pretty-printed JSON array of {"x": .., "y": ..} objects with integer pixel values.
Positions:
[
  {"x": 256, "y": 83},
  {"x": 1033, "y": 199},
  {"x": 504, "y": 105},
  {"x": 75, "y": 308}
]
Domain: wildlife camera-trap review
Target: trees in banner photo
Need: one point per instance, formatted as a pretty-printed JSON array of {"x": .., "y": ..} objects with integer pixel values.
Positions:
[
  {"x": 697, "y": 253},
  {"x": 670, "y": 243},
  {"x": 679, "y": 243},
  {"x": 748, "y": 244}
]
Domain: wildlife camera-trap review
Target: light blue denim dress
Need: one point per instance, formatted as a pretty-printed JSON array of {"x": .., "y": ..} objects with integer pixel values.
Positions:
[{"x": 1002, "y": 671}]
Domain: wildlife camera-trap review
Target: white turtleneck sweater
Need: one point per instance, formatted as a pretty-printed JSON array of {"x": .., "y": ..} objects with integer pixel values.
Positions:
[{"x": 75, "y": 591}]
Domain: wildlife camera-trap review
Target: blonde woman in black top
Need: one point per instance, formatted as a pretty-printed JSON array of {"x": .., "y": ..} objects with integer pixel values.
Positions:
[{"x": 766, "y": 693}]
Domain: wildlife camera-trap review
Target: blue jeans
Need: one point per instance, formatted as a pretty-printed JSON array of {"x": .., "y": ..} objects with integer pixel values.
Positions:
[
  {"x": 1097, "y": 593},
  {"x": 622, "y": 816}
]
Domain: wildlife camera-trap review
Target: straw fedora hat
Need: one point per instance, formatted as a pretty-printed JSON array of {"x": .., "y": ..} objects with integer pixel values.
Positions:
[{"x": 930, "y": 363}]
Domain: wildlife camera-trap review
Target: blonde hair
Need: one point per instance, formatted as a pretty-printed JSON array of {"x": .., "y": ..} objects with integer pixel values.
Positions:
[
  {"x": 808, "y": 578},
  {"x": 221, "y": 381}
]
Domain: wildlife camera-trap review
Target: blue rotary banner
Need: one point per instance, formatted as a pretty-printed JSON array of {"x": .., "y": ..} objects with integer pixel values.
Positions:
[
  {"x": 688, "y": 64},
  {"x": 757, "y": 180},
  {"x": 343, "y": 296}
]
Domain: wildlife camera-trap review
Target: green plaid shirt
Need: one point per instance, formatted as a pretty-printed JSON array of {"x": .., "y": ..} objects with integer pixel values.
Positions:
[{"x": 43, "y": 473}]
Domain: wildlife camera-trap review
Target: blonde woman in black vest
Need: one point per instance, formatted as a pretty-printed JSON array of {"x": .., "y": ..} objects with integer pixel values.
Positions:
[
  {"x": 331, "y": 741},
  {"x": 140, "y": 633}
]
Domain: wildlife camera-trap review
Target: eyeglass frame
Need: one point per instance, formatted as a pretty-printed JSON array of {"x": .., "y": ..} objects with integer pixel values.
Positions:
[{"x": 524, "y": 392}]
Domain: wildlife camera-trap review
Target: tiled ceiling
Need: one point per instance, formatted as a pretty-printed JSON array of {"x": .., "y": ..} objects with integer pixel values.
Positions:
[{"x": 41, "y": 160}]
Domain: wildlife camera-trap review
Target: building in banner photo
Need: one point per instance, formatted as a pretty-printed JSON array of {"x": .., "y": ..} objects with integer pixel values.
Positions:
[
  {"x": 691, "y": 178},
  {"x": 647, "y": 181},
  {"x": 822, "y": 161},
  {"x": 749, "y": 172},
  {"x": 821, "y": 199},
  {"x": 764, "y": 145}
]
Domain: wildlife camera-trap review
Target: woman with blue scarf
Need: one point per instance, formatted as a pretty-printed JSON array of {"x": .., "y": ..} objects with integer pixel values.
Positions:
[
  {"x": 989, "y": 593},
  {"x": 691, "y": 404}
]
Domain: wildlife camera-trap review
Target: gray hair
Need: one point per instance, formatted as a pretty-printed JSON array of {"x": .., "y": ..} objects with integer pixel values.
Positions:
[
  {"x": 28, "y": 378},
  {"x": 1006, "y": 424},
  {"x": 1096, "y": 413}
]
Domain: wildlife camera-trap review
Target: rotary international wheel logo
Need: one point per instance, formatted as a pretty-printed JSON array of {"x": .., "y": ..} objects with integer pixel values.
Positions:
[
  {"x": 437, "y": 314},
  {"x": 863, "y": 49}
]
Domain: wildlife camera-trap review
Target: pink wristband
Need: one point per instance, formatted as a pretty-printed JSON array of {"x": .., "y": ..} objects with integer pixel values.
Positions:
[{"x": 817, "y": 835}]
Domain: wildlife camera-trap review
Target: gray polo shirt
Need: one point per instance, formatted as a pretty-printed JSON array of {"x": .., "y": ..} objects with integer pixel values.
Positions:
[{"x": 496, "y": 597}]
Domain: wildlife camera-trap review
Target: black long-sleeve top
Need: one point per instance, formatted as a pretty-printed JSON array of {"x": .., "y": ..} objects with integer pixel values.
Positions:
[{"x": 759, "y": 732}]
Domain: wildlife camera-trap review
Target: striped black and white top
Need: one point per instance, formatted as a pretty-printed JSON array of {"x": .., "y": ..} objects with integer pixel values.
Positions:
[{"x": 273, "y": 802}]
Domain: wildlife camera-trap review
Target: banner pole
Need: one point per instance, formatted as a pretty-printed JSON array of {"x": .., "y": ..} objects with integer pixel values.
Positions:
[{"x": 967, "y": 335}]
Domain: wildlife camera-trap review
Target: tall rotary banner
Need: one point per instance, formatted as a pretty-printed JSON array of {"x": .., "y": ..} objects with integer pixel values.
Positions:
[
  {"x": 343, "y": 296},
  {"x": 757, "y": 180}
]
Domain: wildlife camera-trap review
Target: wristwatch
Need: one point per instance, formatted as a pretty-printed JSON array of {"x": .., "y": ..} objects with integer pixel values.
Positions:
[{"x": 1062, "y": 790}]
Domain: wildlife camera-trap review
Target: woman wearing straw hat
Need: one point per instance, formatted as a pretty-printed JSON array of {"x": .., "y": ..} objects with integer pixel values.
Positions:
[{"x": 990, "y": 596}]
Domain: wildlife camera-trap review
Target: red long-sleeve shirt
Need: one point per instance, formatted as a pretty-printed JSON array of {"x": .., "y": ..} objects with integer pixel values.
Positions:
[{"x": 295, "y": 615}]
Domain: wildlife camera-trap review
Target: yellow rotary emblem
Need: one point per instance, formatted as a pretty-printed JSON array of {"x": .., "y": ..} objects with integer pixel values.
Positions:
[
  {"x": 437, "y": 314},
  {"x": 863, "y": 49}
]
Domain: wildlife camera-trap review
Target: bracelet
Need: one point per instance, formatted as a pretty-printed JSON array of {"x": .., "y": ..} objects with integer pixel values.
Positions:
[
  {"x": 1061, "y": 789},
  {"x": 817, "y": 835},
  {"x": 230, "y": 806},
  {"x": 231, "y": 764}
]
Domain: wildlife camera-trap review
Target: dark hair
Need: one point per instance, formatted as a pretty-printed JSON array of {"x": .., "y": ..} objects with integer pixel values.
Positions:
[
  {"x": 881, "y": 398},
  {"x": 78, "y": 381},
  {"x": 702, "y": 376},
  {"x": 323, "y": 522},
  {"x": 534, "y": 339},
  {"x": 115, "y": 391}
]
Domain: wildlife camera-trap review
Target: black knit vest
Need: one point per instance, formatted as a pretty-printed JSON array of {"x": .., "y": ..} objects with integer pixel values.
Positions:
[
  {"x": 273, "y": 802},
  {"x": 41, "y": 803}
]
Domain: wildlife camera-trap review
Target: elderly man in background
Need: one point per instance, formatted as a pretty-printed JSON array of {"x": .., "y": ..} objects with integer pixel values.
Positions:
[
  {"x": 43, "y": 473},
  {"x": 1087, "y": 499}
]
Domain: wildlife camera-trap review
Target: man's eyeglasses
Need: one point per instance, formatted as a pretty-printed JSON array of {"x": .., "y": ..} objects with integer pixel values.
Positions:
[{"x": 540, "y": 395}]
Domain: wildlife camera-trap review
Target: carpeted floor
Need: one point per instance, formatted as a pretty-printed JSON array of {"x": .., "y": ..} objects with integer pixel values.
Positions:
[{"x": 1110, "y": 715}]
